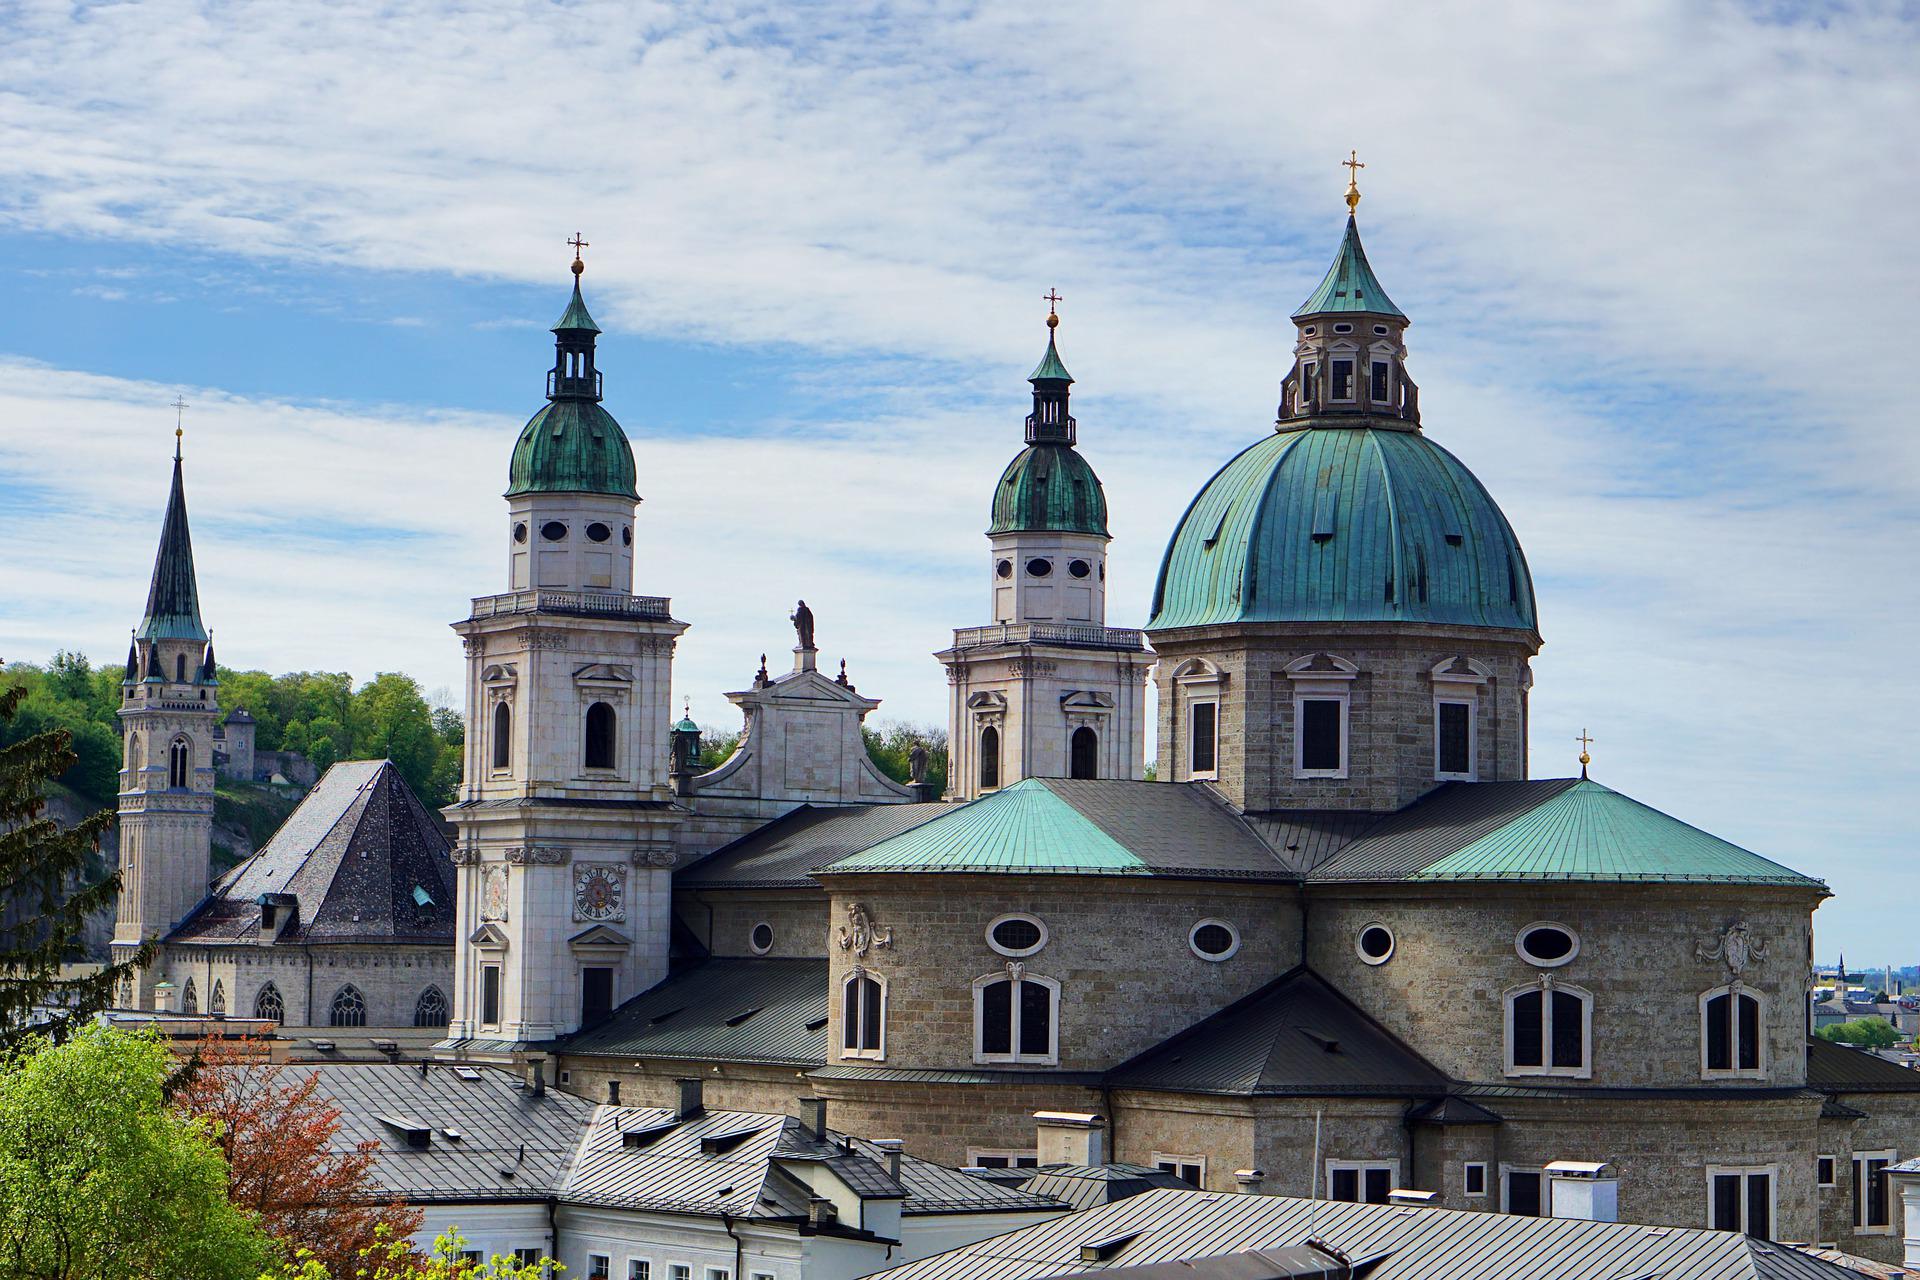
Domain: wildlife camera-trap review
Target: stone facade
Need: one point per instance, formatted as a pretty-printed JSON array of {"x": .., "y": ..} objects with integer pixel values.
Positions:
[{"x": 390, "y": 979}]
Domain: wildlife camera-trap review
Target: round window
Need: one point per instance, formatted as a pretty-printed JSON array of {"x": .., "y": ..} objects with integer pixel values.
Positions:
[
  {"x": 761, "y": 939},
  {"x": 1039, "y": 568},
  {"x": 1214, "y": 940},
  {"x": 520, "y": 531},
  {"x": 553, "y": 531},
  {"x": 1547, "y": 944},
  {"x": 598, "y": 532},
  {"x": 1004, "y": 569},
  {"x": 1311, "y": 329},
  {"x": 1016, "y": 935},
  {"x": 1375, "y": 944},
  {"x": 1079, "y": 568},
  {"x": 626, "y": 535}
]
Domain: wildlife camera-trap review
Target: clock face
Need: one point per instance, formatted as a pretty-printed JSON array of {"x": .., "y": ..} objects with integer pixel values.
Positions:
[
  {"x": 493, "y": 897},
  {"x": 598, "y": 893}
]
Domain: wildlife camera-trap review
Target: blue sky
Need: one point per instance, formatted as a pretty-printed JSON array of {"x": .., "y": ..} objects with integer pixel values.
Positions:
[{"x": 1659, "y": 260}]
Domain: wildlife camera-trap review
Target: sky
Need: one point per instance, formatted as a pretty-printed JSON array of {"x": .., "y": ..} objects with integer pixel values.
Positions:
[{"x": 1659, "y": 260}]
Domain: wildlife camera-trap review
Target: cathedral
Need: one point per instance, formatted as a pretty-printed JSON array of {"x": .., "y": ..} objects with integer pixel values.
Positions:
[{"x": 1336, "y": 943}]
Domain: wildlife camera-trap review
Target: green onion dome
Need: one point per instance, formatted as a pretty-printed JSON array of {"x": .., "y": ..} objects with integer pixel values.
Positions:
[
  {"x": 572, "y": 446},
  {"x": 1344, "y": 524},
  {"x": 1049, "y": 488}
]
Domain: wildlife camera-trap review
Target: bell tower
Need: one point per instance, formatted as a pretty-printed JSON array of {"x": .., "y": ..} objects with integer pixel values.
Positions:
[
  {"x": 1048, "y": 689},
  {"x": 168, "y": 709},
  {"x": 566, "y": 811}
]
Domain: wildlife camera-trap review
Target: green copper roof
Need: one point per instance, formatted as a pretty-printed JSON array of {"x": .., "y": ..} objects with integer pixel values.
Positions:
[
  {"x": 1350, "y": 284},
  {"x": 576, "y": 317},
  {"x": 686, "y": 725},
  {"x": 573, "y": 446},
  {"x": 1337, "y": 524},
  {"x": 1049, "y": 487},
  {"x": 1591, "y": 832},
  {"x": 1022, "y": 828},
  {"x": 173, "y": 596},
  {"x": 1050, "y": 368}
]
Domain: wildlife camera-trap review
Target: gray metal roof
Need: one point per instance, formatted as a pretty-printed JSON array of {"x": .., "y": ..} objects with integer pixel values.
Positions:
[
  {"x": 1417, "y": 1244},
  {"x": 510, "y": 1145},
  {"x": 727, "y": 1009},
  {"x": 1444, "y": 821},
  {"x": 1844, "y": 1069},
  {"x": 779, "y": 855},
  {"x": 1304, "y": 838},
  {"x": 1173, "y": 827},
  {"x": 1303, "y": 1262},
  {"x": 1297, "y": 1035},
  {"x": 1084, "y": 1186},
  {"x": 353, "y": 854}
]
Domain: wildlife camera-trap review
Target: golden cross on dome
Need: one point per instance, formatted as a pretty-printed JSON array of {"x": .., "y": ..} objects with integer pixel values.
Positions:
[
  {"x": 1052, "y": 297},
  {"x": 1585, "y": 758},
  {"x": 1353, "y": 165},
  {"x": 578, "y": 244}
]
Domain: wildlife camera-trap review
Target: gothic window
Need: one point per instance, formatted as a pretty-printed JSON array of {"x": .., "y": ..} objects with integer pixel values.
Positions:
[
  {"x": 1086, "y": 754},
  {"x": 863, "y": 1016},
  {"x": 180, "y": 764},
  {"x": 1740, "y": 1200},
  {"x": 1548, "y": 1031},
  {"x": 1320, "y": 740},
  {"x": 489, "y": 995},
  {"x": 218, "y": 1002},
  {"x": 1872, "y": 1193},
  {"x": 430, "y": 1010},
  {"x": 180, "y": 668},
  {"x": 268, "y": 1005},
  {"x": 133, "y": 756},
  {"x": 1361, "y": 1181},
  {"x": 989, "y": 758},
  {"x": 349, "y": 1008},
  {"x": 1732, "y": 1033},
  {"x": 1203, "y": 737},
  {"x": 1453, "y": 740},
  {"x": 1015, "y": 1018},
  {"x": 600, "y": 725},
  {"x": 1342, "y": 380},
  {"x": 502, "y": 735},
  {"x": 1379, "y": 388},
  {"x": 190, "y": 998}
]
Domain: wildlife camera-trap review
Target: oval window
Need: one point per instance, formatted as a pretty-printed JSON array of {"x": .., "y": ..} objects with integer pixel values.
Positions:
[
  {"x": 1079, "y": 568},
  {"x": 1375, "y": 944},
  {"x": 553, "y": 531},
  {"x": 761, "y": 939},
  {"x": 1343, "y": 328},
  {"x": 1004, "y": 569},
  {"x": 1039, "y": 568},
  {"x": 599, "y": 532},
  {"x": 626, "y": 535},
  {"x": 520, "y": 531},
  {"x": 1547, "y": 944},
  {"x": 1016, "y": 935},
  {"x": 1380, "y": 328},
  {"x": 1311, "y": 329},
  {"x": 1214, "y": 940}
]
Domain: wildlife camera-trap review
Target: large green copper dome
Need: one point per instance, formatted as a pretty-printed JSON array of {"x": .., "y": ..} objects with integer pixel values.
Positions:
[
  {"x": 1344, "y": 524},
  {"x": 572, "y": 446},
  {"x": 1049, "y": 488}
]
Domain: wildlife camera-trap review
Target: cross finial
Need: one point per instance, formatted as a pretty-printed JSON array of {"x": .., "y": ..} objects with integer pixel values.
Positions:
[
  {"x": 578, "y": 244},
  {"x": 1353, "y": 165},
  {"x": 1053, "y": 298},
  {"x": 179, "y": 419},
  {"x": 1585, "y": 758}
]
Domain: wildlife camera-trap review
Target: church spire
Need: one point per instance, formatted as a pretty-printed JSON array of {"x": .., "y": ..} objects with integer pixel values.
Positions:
[
  {"x": 1050, "y": 422},
  {"x": 173, "y": 596},
  {"x": 573, "y": 376}
]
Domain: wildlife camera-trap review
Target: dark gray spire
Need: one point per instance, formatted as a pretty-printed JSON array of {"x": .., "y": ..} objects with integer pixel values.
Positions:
[{"x": 173, "y": 598}]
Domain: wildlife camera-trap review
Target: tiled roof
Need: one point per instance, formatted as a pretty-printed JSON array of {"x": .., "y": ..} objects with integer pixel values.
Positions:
[
  {"x": 780, "y": 854},
  {"x": 1295, "y": 1036},
  {"x": 725, "y": 1009},
  {"x": 1561, "y": 829},
  {"x": 1410, "y": 1243},
  {"x": 359, "y": 854},
  {"x": 1063, "y": 827}
]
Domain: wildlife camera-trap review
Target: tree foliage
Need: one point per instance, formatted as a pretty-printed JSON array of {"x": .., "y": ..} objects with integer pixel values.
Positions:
[
  {"x": 48, "y": 885},
  {"x": 891, "y": 743},
  {"x": 1868, "y": 1033},
  {"x": 390, "y": 1257},
  {"x": 100, "y": 1179},
  {"x": 278, "y": 1138}
]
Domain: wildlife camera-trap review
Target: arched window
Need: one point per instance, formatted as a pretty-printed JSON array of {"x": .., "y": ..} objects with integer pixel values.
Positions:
[
  {"x": 189, "y": 998},
  {"x": 989, "y": 758},
  {"x": 1732, "y": 1032},
  {"x": 133, "y": 756},
  {"x": 180, "y": 668},
  {"x": 180, "y": 764},
  {"x": 600, "y": 722},
  {"x": 1085, "y": 752},
  {"x": 349, "y": 1008},
  {"x": 267, "y": 1004},
  {"x": 1016, "y": 1018},
  {"x": 502, "y": 736},
  {"x": 430, "y": 1010},
  {"x": 218, "y": 1004},
  {"x": 863, "y": 1016},
  {"x": 1549, "y": 1031}
]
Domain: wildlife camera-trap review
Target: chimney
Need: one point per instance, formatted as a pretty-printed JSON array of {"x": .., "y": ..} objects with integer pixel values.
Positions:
[
  {"x": 162, "y": 996},
  {"x": 892, "y": 1147},
  {"x": 1248, "y": 1181},
  {"x": 821, "y": 1213},
  {"x": 539, "y": 1066},
  {"x": 1072, "y": 1137},
  {"x": 813, "y": 1118},
  {"x": 692, "y": 1099},
  {"x": 613, "y": 1092}
]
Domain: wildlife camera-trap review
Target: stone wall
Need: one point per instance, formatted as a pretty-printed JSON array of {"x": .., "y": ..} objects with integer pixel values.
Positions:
[
  {"x": 390, "y": 979},
  {"x": 653, "y": 1082},
  {"x": 723, "y": 919},
  {"x": 1891, "y": 1123},
  {"x": 944, "y": 1122}
]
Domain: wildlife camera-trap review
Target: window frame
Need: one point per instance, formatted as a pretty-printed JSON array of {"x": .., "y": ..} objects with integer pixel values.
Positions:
[
  {"x": 1745, "y": 1172},
  {"x": 419, "y": 1003},
  {"x": 1472, "y": 771},
  {"x": 1546, "y": 1068},
  {"x": 1833, "y": 1172},
  {"x": 609, "y": 740},
  {"x": 1161, "y": 1160},
  {"x": 1736, "y": 992},
  {"x": 1051, "y": 1057},
  {"x": 878, "y": 1051},
  {"x": 1539, "y": 962},
  {"x": 1343, "y": 700},
  {"x": 976, "y": 1156},
  {"x": 1233, "y": 948},
  {"x": 500, "y": 737},
  {"x": 1393, "y": 943},
  {"x": 1092, "y": 755},
  {"x": 1542, "y": 1197},
  {"x": 1334, "y": 361},
  {"x": 1213, "y": 738},
  {"x": 604, "y": 1263},
  {"x": 497, "y": 997},
  {"x": 753, "y": 931},
  {"x": 270, "y": 988},
  {"x": 1017, "y": 953},
  {"x": 1379, "y": 381},
  {"x": 982, "y": 757},
  {"x": 1467, "y": 1169},
  {"x": 180, "y": 763},
  {"x": 357, "y": 1002},
  {"x": 1360, "y": 1169},
  {"x": 639, "y": 1268},
  {"x": 1862, "y": 1185}
]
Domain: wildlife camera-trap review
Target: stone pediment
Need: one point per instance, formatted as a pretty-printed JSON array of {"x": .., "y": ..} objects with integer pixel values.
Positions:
[
  {"x": 600, "y": 936},
  {"x": 488, "y": 937},
  {"x": 987, "y": 700},
  {"x": 1086, "y": 700},
  {"x": 608, "y": 672},
  {"x": 803, "y": 687}
]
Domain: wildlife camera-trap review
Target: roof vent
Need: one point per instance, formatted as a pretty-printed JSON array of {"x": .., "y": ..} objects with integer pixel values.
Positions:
[
  {"x": 1106, "y": 1248},
  {"x": 659, "y": 1018},
  {"x": 816, "y": 1024},
  {"x": 742, "y": 1016},
  {"x": 415, "y": 1133},
  {"x": 1408, "y": 1196},
  {"x": 1321, "y": 1038},
  {"x": 466, "y": 1073},
  {"x": 719, "y": 1144},
  {"x": 421, "y": 898},
  {"x": 647, "y": 1135}
]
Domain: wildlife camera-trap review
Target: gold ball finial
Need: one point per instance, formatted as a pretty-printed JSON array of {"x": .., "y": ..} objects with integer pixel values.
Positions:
[
  {"x": 578, "y": 243},
  {"x": 1053, "y": 322},
  {"x": 579, "y": 267},
  {"x": 1053, "y": 298}
]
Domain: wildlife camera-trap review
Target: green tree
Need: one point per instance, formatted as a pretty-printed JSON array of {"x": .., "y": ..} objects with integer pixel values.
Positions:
[
  {"x": 715, "y": 748},
  {"x": 45, "y": 898},
  {"x": 395, "y": 723},
  {"x": 890, "y": 747},
  {"x": 100, "y": 1179},
  {"x": 1868, "y": 1033},
  {"x": 392, "y": 1259}
]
